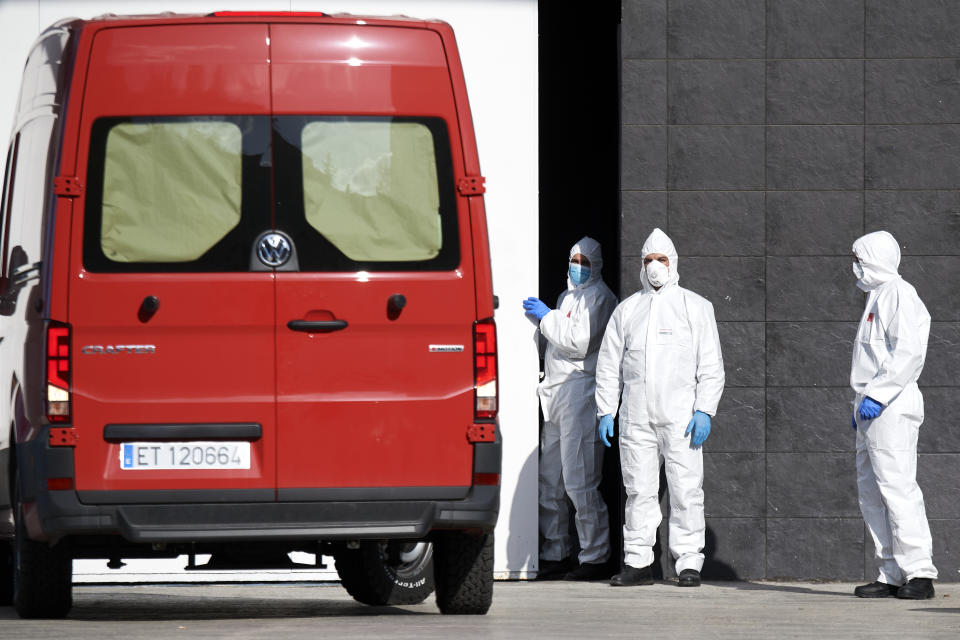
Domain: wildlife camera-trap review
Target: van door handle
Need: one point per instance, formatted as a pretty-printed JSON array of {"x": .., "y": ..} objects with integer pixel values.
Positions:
[{"x": 317, "y": 326}]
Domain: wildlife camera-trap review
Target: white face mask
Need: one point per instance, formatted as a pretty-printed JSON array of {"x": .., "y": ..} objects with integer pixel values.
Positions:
[
  {"x": 858, "y": 270},
  {"x": 657, "y": 273}
]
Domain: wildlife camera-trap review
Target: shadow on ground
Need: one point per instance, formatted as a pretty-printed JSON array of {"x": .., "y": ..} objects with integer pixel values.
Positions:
[
  {"x": 144, "y": 606},
  {"x": 937, "y": 610},
  {"x": 783, "y": 588}
]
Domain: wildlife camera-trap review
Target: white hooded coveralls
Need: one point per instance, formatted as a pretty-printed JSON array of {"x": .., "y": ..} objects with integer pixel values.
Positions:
[
  {"x": 571, "y": 454},
  {"x": 662, "y": 350},
  {"x": 888, "y": 356}
]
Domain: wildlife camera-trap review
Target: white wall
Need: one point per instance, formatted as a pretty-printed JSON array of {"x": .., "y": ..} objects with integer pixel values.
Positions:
[{"x": 498, "y": 47}]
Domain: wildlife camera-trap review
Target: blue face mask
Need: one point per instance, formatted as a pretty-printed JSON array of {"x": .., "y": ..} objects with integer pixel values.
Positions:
[{"x": 579, "y": 273}]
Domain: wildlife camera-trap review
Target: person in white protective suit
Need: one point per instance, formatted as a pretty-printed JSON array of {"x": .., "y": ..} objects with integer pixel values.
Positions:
[
  {"x": 662, "y": 349},
  {"x": 888, "y": 356},
  {"x": 570, "y": 454}
]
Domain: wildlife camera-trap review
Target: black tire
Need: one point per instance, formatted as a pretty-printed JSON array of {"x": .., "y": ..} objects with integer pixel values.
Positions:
[
  {"x": 42, "y": 575},
  {"x": 6, "y": 574},
  {"x": 464, "y": 572},
  {"x": 387, "y": 572}
]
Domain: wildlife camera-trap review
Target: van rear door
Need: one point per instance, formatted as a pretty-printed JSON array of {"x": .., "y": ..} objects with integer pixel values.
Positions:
[
  {"x": 173, "y": 334},
  {"x": 374, "y": 329}
]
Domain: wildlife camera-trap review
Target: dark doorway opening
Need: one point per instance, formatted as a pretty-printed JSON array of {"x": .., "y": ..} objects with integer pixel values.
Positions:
[
  {"x": 579, "y": 138},
  {"x": 579, "y": 95}
]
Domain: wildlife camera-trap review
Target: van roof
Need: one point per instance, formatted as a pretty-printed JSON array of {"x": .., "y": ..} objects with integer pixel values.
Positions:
[{"x": 170, "y": 17}]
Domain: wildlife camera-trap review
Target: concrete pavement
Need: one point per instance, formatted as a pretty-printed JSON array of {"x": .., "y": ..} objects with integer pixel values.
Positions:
[{"x": 521, "y": 610}]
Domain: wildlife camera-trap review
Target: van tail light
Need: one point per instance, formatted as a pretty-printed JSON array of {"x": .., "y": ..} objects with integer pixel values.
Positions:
[
  {"x": 485, "y": 368},
  {"x": 488, "y": 479},
  {"x": 59, "y": 484},
  {"x": 59, "y": 370}
]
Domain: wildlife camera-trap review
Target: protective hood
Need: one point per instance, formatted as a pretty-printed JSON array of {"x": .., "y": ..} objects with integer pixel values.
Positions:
[
  {"x": 659, "y": 242},
  {"x": 879, "y": 255},
  {"x": 590, "y": 249}
]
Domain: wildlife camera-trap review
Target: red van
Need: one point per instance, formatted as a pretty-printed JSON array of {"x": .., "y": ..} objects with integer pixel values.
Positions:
[{"x": 246, "y": 306}]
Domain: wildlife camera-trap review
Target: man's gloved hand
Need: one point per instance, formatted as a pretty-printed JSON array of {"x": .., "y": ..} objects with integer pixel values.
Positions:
[
  {"x": 606, "y": 429},
  {"x": 700, "y": 426},
  {"x": 534, "y": 307},
  {"x": 869, "y": 408},
  {"x": 853, "y": 421}
]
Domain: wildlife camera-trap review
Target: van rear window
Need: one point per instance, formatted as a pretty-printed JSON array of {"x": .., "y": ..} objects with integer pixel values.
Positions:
[
  {"x": 176, "y": 193},
  {"x": 171, "y": 190},
  {"x": 193, "y": 193},
  {"x": 367, "y": 193},
  {"x": 371, "y": 188}
]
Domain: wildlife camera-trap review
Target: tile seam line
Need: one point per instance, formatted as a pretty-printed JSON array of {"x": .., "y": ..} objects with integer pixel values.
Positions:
[
  {"x": 803, "y": 190},
  {"x": 766, "y": 183},
  {"x": 666, "y": 114},
  {"x": 917, "y": 58}
]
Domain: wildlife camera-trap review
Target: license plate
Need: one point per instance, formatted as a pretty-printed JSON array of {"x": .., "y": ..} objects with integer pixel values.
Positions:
[{"x": 136, "y": 456}]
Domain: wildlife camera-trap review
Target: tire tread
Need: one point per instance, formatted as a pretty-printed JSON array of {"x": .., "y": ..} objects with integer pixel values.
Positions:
[
  {"x": 42, "y": 585},
  {"x": 45, "y": 588},
  {"x": 463, "y": 565},
  {"x": 364, "y": 578}
]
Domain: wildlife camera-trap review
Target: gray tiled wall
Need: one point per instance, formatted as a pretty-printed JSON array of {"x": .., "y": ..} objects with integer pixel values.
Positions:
[{"x": 764, "y": 136}]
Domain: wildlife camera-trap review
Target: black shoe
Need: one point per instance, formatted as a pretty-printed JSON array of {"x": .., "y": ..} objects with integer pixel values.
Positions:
[
  {"x": 589, "y": 571},
  {"x": 553, "y": 569},
  {"x": 916, "y": 589},
  {"x": 632, "y": 577},
  {"x": 689, "y": 578},
  {"x": 876, "y": 590}
]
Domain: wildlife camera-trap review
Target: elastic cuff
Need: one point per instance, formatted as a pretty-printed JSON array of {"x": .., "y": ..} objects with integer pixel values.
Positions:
[
  {"x": 692, "y": 561},
  {"x": 593, "y": 557},
  {"x": 885, "y": 402}
]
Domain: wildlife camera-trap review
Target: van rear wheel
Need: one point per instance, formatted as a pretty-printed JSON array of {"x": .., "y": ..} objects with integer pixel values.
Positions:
[
  {"x": 6, "y": 574},
  {"x": 387, "y": 572},
  {"x": 464, "y": 572},
  {"x": 42, "y": 575}
]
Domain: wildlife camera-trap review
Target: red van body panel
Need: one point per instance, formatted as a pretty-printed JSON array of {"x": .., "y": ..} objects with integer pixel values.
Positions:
[
  {"x": 178, "y": 69},
  {"x": 353, "y": 69},
  {"x": 372, "y": 405},
  {"x": 360, "y": 433},
  {"x": 394, "y": 413},
  {"x": 213, "y": 363},
  {"x": 213, "y": 333},
  {"x": 481, "y": 259},
  {"x": 369, "y": 406}
]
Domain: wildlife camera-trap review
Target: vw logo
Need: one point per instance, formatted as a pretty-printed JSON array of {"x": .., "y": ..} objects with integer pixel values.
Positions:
[{"x": 273, "y": 250}]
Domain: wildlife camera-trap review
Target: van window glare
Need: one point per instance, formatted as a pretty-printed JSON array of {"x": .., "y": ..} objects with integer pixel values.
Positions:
[
  {"x": 367, "y": 193},
  {"x": 371, "y": 189}
]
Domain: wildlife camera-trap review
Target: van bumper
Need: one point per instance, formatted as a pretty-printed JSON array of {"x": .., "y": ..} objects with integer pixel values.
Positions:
[
  {"x": 252, "y": 515},
  {"x": 61, "y": 514}
]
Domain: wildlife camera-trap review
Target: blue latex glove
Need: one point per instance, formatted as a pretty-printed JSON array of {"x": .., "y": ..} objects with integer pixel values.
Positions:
[
  {"x": 534, "y": 307},
  {"x": 853, "y": 421},
  {"x": 869, "y": 408},
  {"x": 700, "y": 426},
  {"x": 606, "y": 429}
]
